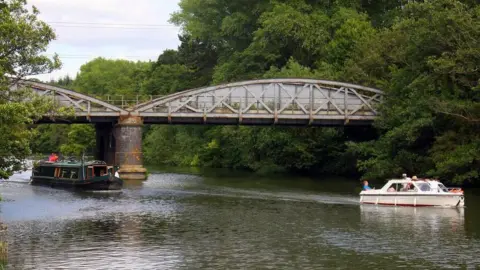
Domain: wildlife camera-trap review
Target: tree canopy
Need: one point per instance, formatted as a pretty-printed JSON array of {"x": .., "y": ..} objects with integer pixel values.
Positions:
[
  {"x": 24, "y": 39},
  {"x": 111, "y": 77},
  {"x": 428, "y": 63}
]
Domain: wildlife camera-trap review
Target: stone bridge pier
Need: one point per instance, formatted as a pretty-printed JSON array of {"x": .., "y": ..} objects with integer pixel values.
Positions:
[{"x": 121, "y": 144}]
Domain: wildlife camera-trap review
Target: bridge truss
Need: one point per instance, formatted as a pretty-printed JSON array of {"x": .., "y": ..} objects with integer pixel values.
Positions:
[
  {"x": 266, "y": 102},
  {"x": 86, "y": 108}
]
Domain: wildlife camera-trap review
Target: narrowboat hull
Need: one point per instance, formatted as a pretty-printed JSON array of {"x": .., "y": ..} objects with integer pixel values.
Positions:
[{"x": 97, "y": 183}]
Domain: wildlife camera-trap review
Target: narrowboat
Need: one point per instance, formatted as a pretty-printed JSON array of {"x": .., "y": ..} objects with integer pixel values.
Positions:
[
  {"x": 414, "y": 192},
  {"x": 90, "y": 175}
]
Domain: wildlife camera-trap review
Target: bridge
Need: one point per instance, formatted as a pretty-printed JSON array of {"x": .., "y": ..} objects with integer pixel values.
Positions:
[{"x": 292, "y": 102}]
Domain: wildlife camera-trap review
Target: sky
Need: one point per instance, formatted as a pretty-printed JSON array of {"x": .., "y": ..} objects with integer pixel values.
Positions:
[{"x": 114, "y": 29}]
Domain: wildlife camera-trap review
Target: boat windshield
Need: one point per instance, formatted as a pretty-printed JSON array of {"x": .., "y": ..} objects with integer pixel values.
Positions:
[
  {"x": 442, "y": 187},
  {"x": 424, "y": 186}
]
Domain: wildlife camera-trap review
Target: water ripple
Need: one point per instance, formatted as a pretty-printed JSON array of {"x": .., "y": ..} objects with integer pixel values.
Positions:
[{"x": 175, "y": 221}]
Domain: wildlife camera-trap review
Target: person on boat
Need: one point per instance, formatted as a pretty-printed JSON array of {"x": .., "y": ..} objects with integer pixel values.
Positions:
[
  {"x": 407, "y": 186},
  {"x": 365, "y": 185},
  {"x": 53, "y": 157},
  {"x": 102, "y": 173}
]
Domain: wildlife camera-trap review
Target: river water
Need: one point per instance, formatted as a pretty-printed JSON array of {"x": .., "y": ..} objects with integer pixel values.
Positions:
[{"x": 231, "y": 221}]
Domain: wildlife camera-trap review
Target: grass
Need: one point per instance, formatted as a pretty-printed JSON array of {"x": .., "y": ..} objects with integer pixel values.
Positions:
[{"x": 3, "y": 255}]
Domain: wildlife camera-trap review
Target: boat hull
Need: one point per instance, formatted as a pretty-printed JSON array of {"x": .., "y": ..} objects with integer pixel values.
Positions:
[
  {"x": 414, "y": 200},
  {"x": 101, "y": 183}
]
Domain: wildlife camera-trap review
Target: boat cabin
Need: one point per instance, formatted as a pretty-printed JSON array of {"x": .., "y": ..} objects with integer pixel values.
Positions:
[
  {"x": 98, "y": 168},
  {"x": 57, "y": 170},
  {"x": 409, "y": 185},
  {"x": 72, "y": 170},
  {"x": 406, "y": 186}
]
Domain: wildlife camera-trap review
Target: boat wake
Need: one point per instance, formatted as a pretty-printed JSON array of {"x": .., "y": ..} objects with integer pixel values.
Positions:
[
  {"x": 26, "y": 182},
  {"x": 19, "y": 177},
  {"x": 325, "y": 198},
  {"x": 103, "y": 191}
]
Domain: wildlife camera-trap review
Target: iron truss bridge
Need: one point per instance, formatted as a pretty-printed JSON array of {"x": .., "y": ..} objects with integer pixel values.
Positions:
[{"x": 256, "y": 102}]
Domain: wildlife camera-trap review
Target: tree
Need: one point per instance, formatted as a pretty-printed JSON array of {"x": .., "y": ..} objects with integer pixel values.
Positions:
[
  {"x": 427, "y": 62},
  {"x": 81, "y": 139},
  {"x": 167, "y": 79},
  {"x": 66, "y": 82},
  {"x": 24, "y": 39},
  {"x": 48, "y": 138},
  {"x": 190, "y": 66},
  {"x": 111, "y": 77}
]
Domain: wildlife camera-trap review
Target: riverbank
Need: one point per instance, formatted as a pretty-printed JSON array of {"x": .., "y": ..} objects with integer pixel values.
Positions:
[{"x": 3, "y": 246}]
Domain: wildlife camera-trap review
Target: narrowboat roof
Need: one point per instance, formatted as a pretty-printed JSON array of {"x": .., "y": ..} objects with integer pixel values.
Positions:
[{"x": 73, "y": 163}]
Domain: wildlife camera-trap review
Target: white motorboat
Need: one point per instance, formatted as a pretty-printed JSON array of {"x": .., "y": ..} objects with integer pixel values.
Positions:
[{"x": 414, "y": 192}]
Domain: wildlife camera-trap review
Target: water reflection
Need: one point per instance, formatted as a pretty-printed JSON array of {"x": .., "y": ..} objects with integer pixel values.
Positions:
[
  {"x": 113, "y": 242},
  {"x": 434, "y": 235},
  {"x": 422, "y": 220}
]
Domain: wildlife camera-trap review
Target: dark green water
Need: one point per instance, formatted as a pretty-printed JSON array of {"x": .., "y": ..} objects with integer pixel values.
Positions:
[{"x": 225, "y": 221}]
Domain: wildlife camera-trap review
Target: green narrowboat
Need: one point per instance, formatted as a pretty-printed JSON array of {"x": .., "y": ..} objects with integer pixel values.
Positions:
[{"x": 91, "y": 175}]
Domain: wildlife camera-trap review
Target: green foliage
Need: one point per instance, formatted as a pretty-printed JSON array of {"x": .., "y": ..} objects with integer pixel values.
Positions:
[
  {"x": 65, "y": 82},
  {"x": 167, "y": 79},
  {"x": 24, "y": 38},
  {"x": 48, "y": 138},
  {"x": 276, "y": 149},
  {"x": 189, "y": 67},
  {"x": 292, "y": 70},
  {"x": 3, "y": 248},
  {"x": 80, "y": 139},
  {"x": 258, "y": 149},
  {"x": 229, "y": 25},
  {"x": 173, "y": 145},
  {"x": 427, "y": 62},
  {"x": 111, "y": 77}
]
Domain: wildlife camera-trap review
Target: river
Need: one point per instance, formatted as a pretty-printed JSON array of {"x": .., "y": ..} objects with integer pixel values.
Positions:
[{"x": 231, "y": 221}]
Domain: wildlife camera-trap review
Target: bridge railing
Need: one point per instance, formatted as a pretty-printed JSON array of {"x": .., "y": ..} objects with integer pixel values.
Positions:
[{"x": 126, "y": 101}]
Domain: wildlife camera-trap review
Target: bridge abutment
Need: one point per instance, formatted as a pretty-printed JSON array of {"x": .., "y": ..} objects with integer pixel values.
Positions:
[{"x": 128, "y": 154}]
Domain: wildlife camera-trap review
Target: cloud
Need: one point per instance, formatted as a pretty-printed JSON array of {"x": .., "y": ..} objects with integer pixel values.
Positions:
[{"x": 109, "y": 28}]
